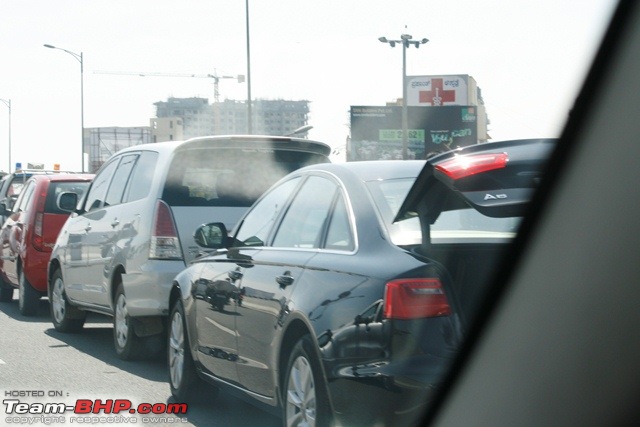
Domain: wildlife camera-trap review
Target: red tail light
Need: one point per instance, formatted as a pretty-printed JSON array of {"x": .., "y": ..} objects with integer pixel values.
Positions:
[
  {"x": 414, "y": 299},
  {"x": 463, "y": 166},
  {"x": 38, "y": 238},
  {"x": 164, "y": 237},
  {"x": 38, "y": 232}
]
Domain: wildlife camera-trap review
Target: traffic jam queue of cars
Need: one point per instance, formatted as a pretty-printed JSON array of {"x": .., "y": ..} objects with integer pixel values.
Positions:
[{"x": 330, "y": 293}]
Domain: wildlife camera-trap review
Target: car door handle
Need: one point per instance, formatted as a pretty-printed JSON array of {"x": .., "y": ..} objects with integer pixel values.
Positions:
[
  {"x": 285, "y": 280},
  {"x": 235, "y": 275}
]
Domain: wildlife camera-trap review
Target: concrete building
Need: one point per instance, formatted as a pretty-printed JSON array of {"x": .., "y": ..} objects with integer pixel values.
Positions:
[
  {"x": 166, "y": 129},
  {"x": 229, "y": 117}
]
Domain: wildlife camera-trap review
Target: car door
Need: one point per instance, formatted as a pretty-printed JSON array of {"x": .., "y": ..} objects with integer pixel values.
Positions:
[
  {"x": 83, "y": 273},
  {"x": 12, "y": 234},
  {"x": 104, "y": 235},
  {"x": 270, "y": 278},
  {"x": 219, "y": 293}
]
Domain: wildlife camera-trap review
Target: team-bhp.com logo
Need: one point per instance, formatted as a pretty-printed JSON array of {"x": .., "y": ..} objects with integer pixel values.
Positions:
[{"x": 85, "y": 410}]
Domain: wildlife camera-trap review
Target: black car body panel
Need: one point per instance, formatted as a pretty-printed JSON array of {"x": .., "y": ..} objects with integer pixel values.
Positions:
[{"x": 283, "y": 283}]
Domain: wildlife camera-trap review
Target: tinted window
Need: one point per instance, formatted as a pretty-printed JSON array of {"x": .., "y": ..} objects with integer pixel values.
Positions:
[
  {"x": 57, "y": 188},
  {"x": 98, "y": 190},
  {"x": 120, "y": 179},
  {"x": 339, "y": 235},
  {"x": 388, "y": 196},
  {"x": 142, "y": 177},
  {"x": 228, "y": 177},
  {"x": 459, "y": 225},
  {"x": 305, "y": 219},
  {"x": 256, "y": 226}
]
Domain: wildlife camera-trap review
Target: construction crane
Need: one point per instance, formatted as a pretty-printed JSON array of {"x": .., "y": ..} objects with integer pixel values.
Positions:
[{"x": 216, "y": 78}]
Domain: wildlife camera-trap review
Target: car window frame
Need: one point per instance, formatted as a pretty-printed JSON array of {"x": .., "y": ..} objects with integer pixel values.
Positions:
[
  {"x": 103, "y": 170},
  {"x": 321, "y": 233},
  {"x": 124, "y": 162},
  {"x": 24, "y": 198},
  {"x": 269, "y": 236}
]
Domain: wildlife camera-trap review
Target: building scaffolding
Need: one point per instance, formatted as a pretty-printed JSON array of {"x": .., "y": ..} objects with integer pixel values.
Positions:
[{"x": 105, "y": 141}]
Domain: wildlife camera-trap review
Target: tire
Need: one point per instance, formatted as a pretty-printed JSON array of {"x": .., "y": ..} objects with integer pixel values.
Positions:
[
  {"x": 6, "y": 292},
  {"x": 65, "y": 317},
  {"x": 183, "y": 378},
  {"x": 305, "y": 399},
  {"x": 129, "y": 346},
  {"x": 29, "y": 298}
]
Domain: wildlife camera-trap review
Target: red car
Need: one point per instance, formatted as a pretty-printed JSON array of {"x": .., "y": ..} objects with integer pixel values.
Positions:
[{"x": 29, "y": 234}]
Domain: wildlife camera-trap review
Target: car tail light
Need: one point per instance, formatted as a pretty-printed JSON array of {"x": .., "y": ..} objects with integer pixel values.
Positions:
[
  {"x": 463, "y": 166},
  {"x": 414, "y": 299},
  {"x": 164, "y": 237},
  {"x": 38, "y": 238},
  {"x": 38, "y": 226}
]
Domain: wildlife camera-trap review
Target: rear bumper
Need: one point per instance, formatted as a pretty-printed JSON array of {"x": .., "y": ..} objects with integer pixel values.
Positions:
[
  {"x": 386, "y": 393},
  {"x": 148, "y": 290}
]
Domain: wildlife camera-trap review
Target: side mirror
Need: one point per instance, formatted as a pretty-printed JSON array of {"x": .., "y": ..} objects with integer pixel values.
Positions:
[
  {"x": 67, "y": 201},
  {"x": 211, "y": 236}
]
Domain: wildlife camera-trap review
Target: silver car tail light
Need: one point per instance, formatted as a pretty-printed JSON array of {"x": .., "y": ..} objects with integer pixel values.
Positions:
[{"x": 164, "y": 236}]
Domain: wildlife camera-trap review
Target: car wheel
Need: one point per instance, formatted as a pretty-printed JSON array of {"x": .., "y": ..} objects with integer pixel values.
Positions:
[
  {"x": 305, "y": 400},
  {"x": 65, "y": 317},
  {"x": 129, "y": 346},
  {"x": 6, "y": 292},
  {"x": 183, "y": 379},
  {"x": 29, "y": 298}
]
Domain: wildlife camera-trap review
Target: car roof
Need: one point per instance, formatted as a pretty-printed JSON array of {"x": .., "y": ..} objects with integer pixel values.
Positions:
[
  {"x": 236, "y": 141},
  {"x": 371, "y": 170},
  {"x": 63, "y": 177}
]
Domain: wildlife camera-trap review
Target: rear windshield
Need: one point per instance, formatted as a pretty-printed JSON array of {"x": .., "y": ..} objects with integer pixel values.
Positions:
[
  {"x": 455, "y": 226},
  {"x": 229, "y": 177},
  {"x": 57, "y": 188}
]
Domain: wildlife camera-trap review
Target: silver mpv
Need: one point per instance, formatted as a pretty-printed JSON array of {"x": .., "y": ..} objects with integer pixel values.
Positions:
[{"x": 119, "y": 252}]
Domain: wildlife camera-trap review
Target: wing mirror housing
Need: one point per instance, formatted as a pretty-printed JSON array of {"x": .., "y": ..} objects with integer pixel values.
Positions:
[
  {"x": 213, "y": 235},
  {"x": 67, "y": 201}
]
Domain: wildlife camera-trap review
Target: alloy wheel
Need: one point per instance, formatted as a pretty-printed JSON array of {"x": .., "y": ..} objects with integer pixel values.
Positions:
[
  {"x": 301, "y": 395},
  {"x": 176, "y": 351},
  {"x": 121, "y": 321},
  {"x": 57, "y": 300}
]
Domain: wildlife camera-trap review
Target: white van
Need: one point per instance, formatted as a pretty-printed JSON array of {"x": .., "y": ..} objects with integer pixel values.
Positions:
[{"x": 130, "y": 235}]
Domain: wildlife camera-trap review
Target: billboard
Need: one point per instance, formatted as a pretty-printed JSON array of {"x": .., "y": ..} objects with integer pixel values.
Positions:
[
  {"x": 437, "y": 91},
  {"x": 376, "y": 132}
]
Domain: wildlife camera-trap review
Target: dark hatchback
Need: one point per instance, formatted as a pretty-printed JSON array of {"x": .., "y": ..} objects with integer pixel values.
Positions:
[{"x": 320, "y": 304}]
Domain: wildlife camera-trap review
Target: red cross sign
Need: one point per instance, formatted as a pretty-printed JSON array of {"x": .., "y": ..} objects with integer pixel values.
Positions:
[{"x": 437, "y": 96}]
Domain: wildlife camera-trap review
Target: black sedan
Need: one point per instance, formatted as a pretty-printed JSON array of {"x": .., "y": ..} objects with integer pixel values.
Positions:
[{"x": 320, "y": 304}]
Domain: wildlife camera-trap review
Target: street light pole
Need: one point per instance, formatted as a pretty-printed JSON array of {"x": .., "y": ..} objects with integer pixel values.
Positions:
[
  {"x": 7, "y": 102},
  {"x": 406, "y": 40},
  {"x": 249, "y": 113},
  {"x": 79, "y": 58}
]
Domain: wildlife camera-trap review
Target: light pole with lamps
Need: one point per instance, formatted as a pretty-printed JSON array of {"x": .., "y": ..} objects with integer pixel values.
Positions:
[
  {"x": 7, "y": 102},
  {"x": 249, "y": 113},
  {"x": 406, "y": 40},
  {"x": 78, "y": 57}
]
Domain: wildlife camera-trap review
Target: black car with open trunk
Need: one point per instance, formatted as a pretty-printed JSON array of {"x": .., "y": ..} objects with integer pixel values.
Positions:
[{"x": 343, "y": 293}]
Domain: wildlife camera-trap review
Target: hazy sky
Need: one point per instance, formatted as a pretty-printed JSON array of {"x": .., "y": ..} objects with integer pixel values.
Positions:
[{"x": 529, "y": 59}]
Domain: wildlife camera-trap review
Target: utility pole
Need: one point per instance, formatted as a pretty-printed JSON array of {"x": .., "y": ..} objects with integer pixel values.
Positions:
[{"x": 406, "y": 41}]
